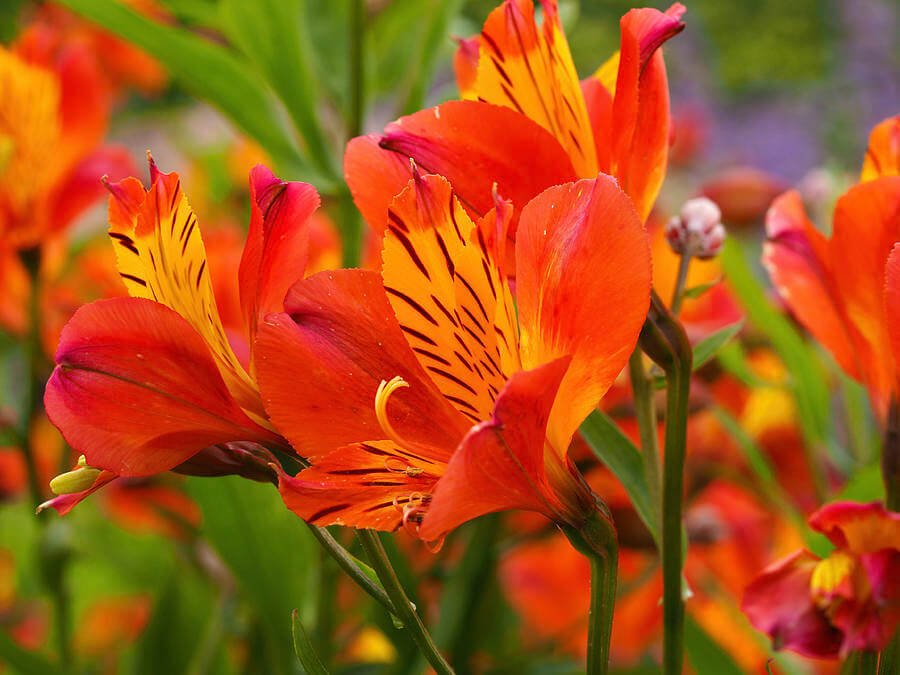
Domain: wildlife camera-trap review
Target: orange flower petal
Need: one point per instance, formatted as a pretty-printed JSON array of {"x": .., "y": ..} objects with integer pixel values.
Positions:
[
  {"x": 320, "y": 364},
  {"x": 474, "y": 145},
  {"x": 361, "y": 485},
  {"x": 892, "y": 300},
  {"x": 137, "y": 391},
  {"x": 797, "y": 258},
  {"x": 583, "y": 288},
  {"x": 465, "y": 66},
  {"x": 452, "y": 303},
  {"x": 639, "y": 134},
  {"x": 160, "y": 256},
  {"x": 883, "y": 154},
  {"x": 529, "y": 69},
  {"x": 866, "y": 226},
  {"x": 500, "y": 463}
]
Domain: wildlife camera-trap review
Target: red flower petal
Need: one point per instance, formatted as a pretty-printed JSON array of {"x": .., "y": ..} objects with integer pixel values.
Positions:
[
  {"x": 137, "y": 391},
  {"x": 320, "y": 364}
]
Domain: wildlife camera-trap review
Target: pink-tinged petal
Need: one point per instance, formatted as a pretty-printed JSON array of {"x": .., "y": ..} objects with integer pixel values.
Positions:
[
  {"x": 583, "y": 289},
  {"x": 500, "y": 463},
  {"x": 361, "y": 485},
  {"x": 797, "y": 258},
  {"x": 859, "y": 528},
  {"x": 320, "y": 364},
  {"x": 640, "y": 115},
  {"x": 870, "y": 622},
  {"x": 277, "y": 247},
  {"x": 866, "y": 227},
  {"x": 62, "y": 504},
  {"x": 779, "y": 603},
  {"x": 82, "y": 187},
  {"x": 137, "y": 391},
  {"x": 474, "y": 145},
  {"x": 375, "y": 176}
]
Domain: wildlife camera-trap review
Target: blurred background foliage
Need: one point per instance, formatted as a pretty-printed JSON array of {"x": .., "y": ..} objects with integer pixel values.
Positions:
[{"x": 782, "y": 87}]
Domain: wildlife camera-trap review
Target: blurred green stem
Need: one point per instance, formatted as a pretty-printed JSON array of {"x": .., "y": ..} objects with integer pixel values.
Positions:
[
  {"x": 54, "y": 551},
  {"x": 404, "y": 610},
  {"x": 326, "y": 591},
  {"x": 664, "y": 340},
  {"x": 645, "y": 411},
  {"x": 890, "y": 458},
  {"x": 31, "y": 259},
  {"x": 596, "y": 539},
  {"x": 684, "y": 264}
]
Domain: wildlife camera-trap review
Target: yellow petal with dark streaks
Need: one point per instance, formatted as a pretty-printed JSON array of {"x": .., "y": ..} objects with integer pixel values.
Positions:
[
  {"x": 449, "y": 296},
  {"x": 529, "y": 68},
  {"x": 160, "y": 256}
]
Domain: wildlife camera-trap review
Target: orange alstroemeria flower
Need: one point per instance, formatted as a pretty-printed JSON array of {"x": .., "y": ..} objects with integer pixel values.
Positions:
[
  {"x": 478, "y": 397},
  {"x": 150, "y": 383},
  {"x": 836, "y": 287},
  {"x": 529, "y": 123},
  {"x": 54, "y": 109}
]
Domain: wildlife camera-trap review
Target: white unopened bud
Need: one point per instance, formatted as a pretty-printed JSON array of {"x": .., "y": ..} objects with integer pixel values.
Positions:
[{"x": 697, "y": 231}]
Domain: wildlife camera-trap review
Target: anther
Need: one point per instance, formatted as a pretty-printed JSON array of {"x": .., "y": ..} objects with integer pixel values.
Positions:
[{"x": 385, "y": 390}]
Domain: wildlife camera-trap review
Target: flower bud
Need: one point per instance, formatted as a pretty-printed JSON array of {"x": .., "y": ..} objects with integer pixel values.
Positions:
[{"x": 698, "y": 231}]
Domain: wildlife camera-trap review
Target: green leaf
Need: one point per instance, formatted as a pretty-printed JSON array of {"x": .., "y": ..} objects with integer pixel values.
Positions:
[
  {"x": 615, "y": 450},
  {"x": 273, "y": 36},
  {"x": 433, "y": 42},
  {"x": 209, "y": 71},
  {"x": 705, "y": 654},
  {"x": 865, "y": 485},
  {"x": 697, "y": 291},
  {"x": 709, "y": 346},
  {"x": 304, "y": 649},
  {"x": 806, "y": 377},
  {"x": 269, "y": 551},
  {"x": 20, "y": 660}
]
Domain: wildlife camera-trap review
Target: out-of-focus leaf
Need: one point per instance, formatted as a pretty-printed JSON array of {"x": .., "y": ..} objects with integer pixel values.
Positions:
[
  {"x": 22, "y": 661},
  {"x": 615, "y": 450},
  {"x": 304, "y": 649},
  {"x": 705, "y": 654},
  {"x": 733, "y": 359},
  {"x": 864, "y": 485},
  {"x": 209, "y": 71},
  {"x": 403, "y": 41},
  {"x": 170, "y": 642},
  {"x": 806, "y": 377},
  {"x": 202, "y": 12},
  {"x": 273, "y": 35},
  {"x": 709, "y": 346},
  {"x": 269, "y": 551},
  {"x": 765, "y": 473},
  {"x": 433, "y": 43}
]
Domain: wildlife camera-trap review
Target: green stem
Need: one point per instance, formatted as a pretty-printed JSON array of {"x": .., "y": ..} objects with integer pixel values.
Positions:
[
  {"x": 597, "y": 540},
  {"x": 679, "y": 383},
  {"x": 684, "y": 263},
  {"x": 645, "y": 411},
  {"x": 326, "y": 590},
  {"x": 664, "y": 340},
  {"x": 867, "y": 663},
  {"x": 349, "y": 564},
  {"x": 403, "y": 608}
]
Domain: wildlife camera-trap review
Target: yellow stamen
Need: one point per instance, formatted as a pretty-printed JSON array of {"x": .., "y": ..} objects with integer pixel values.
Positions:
[
  {"x": 385, "y": 390},
  {"x": 828, "y": 574},
  {"x": 78, "y": 480}
]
